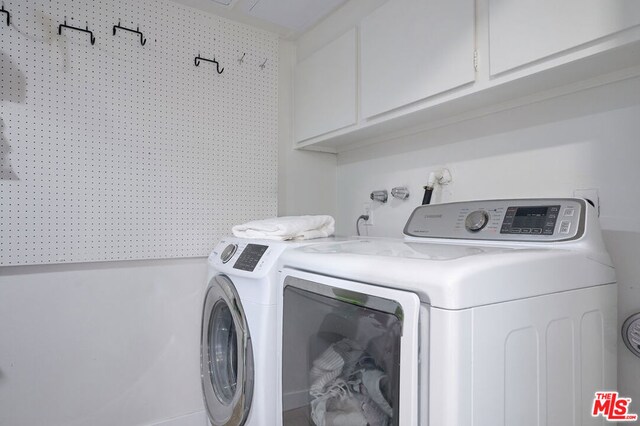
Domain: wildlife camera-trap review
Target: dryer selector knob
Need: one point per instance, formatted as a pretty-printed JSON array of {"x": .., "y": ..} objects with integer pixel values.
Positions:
[
  {"x": 228, "y": 252},
  {"x": 476, "y": 220}
]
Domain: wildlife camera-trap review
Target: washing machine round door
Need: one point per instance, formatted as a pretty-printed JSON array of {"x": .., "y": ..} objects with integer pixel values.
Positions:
[{"x": 226, "y": 360}]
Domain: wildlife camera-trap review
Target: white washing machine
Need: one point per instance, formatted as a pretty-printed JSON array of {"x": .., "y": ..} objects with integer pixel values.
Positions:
[
  {"x": 238, "y": 358},
  {"x": 489, "y": 313}
]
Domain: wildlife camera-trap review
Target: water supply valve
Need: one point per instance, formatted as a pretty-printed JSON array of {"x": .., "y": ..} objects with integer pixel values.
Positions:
[
  {"x": 400, "y": 192},
  {"x": 381, "y": 196}
]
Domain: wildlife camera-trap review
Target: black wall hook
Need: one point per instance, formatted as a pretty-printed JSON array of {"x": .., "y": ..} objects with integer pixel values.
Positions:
[
  {"x": 136, "y": 31},
  {"x": 8, "y": 15},
  {"x": 199, "y": 58},
  {"x": 84, "y": 30}
]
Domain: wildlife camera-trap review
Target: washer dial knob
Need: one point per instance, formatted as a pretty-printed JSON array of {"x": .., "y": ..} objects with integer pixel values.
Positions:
[
  {"x": 228, "y": 252},
  {"x": 476, "y": 220}
]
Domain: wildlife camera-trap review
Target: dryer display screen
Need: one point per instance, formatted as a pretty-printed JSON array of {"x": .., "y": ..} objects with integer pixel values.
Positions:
[
  {"x": 530, "y": 217},
  {"x": 530, "y": 220},
  {"x": 250, "y": 257}
]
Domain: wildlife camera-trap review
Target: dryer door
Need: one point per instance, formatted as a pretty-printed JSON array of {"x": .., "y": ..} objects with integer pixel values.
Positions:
[
  {"x": 226, "y": 360},
  {"x": 349, "y": 352}
]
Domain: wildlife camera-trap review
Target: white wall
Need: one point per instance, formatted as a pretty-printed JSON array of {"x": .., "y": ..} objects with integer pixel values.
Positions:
[
  {"x": 101, "y": 343},
  {"x": 589, "y": 139},
  {"x": 306, "y": 180}
]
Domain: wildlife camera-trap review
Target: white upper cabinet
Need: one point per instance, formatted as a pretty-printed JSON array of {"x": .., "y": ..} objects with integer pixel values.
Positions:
[
  {"x": 524, "y": 31},
  {"x": 412, "y": 64},
  {"x": 413, "y": 49},
  {"x": 325, "y": 94}
]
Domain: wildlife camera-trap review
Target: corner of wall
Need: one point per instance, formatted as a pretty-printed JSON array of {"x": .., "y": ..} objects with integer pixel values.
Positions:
[
  {"x": 307, "y": 181},
  {"x": 286, "y": 60}
]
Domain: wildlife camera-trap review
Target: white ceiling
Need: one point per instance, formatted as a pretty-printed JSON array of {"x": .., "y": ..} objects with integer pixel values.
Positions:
[
  {"x": 288, "y": 18},
  {"x": 298, "y": 15}
]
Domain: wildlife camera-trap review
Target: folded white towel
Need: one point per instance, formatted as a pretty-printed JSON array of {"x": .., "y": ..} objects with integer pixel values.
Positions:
[{"x": 287, "y": 228}]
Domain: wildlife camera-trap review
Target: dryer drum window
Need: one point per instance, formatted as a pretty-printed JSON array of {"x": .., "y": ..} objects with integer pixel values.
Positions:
[
  {"x": 223, "y": 352},
  {"x": 343, "y": 349}
]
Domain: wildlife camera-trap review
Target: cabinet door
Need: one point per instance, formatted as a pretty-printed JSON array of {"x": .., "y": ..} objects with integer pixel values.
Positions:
[
  {"x": 413, "y": 49},
  {"x": 325, "y": 89},
  {"x": 524, "y": 31}
]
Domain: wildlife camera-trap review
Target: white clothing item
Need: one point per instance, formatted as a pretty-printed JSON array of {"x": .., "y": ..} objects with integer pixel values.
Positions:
[
  {"x": 337, "y": 389},
  {"x": 350, "y": 352},
  {"x": 372, "y": 412},
  {"x": 343, "y": 396},
  {"x": 326, "y": 368},
  {"x": 339, "y": 359},
  {"x": 287, "y": 228},
  {"x": 346, "y": 411},
  {"x": 371, "y": 381},
  {"x": 340, "y": 406}
]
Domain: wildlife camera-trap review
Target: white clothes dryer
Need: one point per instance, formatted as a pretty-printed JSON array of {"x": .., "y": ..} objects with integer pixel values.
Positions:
[
  {"x": 239, "y": 331},
  {"x": 489, "y": 313}
]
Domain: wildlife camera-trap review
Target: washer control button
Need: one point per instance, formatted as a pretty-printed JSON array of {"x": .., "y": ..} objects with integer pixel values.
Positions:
[
  {"x": 565, "y": 226},
  {"x": 228, "y": 252},
  {"x": 569, "y": 211},
  {"x": 476, "y": 220}
]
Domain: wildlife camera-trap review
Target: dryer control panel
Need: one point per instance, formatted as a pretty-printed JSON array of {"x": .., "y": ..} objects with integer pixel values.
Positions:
[{"x": 541, "y": 220}]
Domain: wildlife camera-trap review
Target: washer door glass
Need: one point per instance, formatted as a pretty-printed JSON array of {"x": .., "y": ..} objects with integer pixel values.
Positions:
[
  {"x": 223, "y": 350},
  {"x": 227, "y": 355}
]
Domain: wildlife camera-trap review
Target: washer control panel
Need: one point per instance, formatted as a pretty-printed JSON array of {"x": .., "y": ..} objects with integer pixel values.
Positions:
[
  {"x": 250, "y": 256},
  {"x": 234, "y": 255},
  {"x": 501, "y": 220}
]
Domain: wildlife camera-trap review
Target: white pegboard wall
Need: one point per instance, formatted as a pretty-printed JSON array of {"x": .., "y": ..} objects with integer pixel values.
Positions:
[{"x": 120, "y": 151}]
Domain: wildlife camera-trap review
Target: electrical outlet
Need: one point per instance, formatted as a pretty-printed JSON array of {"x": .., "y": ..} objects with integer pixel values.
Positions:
[
  {"x": 589, "y": 194},
  {"x": 366, "y": 208}
]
